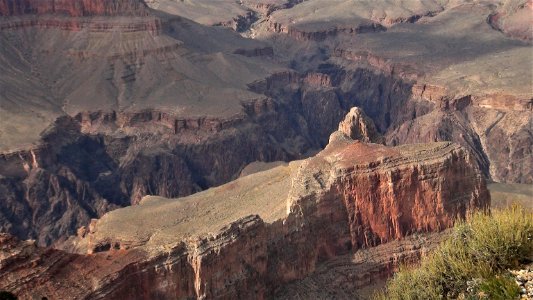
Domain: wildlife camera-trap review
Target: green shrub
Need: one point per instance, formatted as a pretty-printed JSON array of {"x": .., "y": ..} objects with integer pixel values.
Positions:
[
  {"x": 499, "y": 288},
  {"x": 472, "y": 262}
]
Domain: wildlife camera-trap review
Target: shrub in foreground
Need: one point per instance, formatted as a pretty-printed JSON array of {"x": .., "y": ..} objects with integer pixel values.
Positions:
[{"x": 473, "y": 262}]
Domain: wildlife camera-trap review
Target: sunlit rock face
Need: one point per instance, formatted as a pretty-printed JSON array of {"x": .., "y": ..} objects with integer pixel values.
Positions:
[
  {"x": 252, "y": 236},
  {"x": 112, "y": 104}
]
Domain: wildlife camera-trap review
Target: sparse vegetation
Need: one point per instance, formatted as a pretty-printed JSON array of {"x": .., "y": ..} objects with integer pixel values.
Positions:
[{"x": 473, "y": 263}]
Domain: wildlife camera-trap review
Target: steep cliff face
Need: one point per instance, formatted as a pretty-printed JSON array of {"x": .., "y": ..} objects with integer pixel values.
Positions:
[
  {"x": 92, "y": 15},
  {"x": 358, "y": 275},
  {"x": 56, "y": 171},
  {"x": 427, "y": 92},
  {"x": 506, "y": 136},
  {"x": 74, "y": 8},
  {"x": 387, "y": 174},
  {"x": 84, "y": 175},
  {"x": 175, "y": 275},
  {"x": 271, "y": 227},
  {"x": 118, "y": 78},
  {"x": 152, "y": 152},
  {"x": 405, "y": 112},
  {"x": 323, "y": 34}
]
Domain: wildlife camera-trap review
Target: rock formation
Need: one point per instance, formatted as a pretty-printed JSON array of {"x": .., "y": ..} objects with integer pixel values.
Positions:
[
  {"x": 357, "y": 126},
  {"x": 449, "y": 79},
  {"x": 152, "y": 103},
  {"x": 111, "y": 109},
  {"x": 247, "y": 238},
  {"x": 514, "y": 19},
  {"x": 357, "y": 275},
  {"x": 74, "y": 8}
]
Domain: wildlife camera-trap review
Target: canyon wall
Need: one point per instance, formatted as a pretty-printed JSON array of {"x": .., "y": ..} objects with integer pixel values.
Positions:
[
  {"x": 78, "y": 15},
  {"x": 74, "y": 8},
  {"x": 350, "y": 196},
  {"x": 110, "y": 157},
  {"x": 123, "y": 82},
  {"x": 174, "y": 156},
  {"x": 82, "y": 175}
]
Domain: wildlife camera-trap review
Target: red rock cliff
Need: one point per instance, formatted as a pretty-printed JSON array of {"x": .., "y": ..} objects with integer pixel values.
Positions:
[
  {"x": 75, "y": 8},
  {"x": 352, "y": 195}
]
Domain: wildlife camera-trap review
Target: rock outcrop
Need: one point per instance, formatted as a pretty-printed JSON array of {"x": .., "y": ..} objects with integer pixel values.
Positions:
[
  {"x": 514, "y": 19},
  {"x": 358, "y": 275},
  {"x": 267, "y": 7},
  {"x": 322, "y": 34},
  {"x": 358, "y": 126},
  {"x": 247, "y": 238}
]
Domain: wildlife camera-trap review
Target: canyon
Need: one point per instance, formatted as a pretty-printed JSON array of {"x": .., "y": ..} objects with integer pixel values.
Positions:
[
  {"x": 272, "y": 228},
  {"x": 116, "y": 113}
]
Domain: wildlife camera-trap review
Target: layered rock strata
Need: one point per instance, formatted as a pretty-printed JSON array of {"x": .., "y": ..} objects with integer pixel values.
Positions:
[
  {"x": 358, "y": 126},
  {"x": 93, "y": 15},
  {"x": 89, "y": 154},
  {"x": 247, "y": 238},
  {"x": 204, "y": 102},
  {"x": 74, "y": 8},
  {"x": 312, "y": 20},
  {"x": 84, "y": 175},
  {"x": 359, "y": 275},
  {"x": 461, "y": 92},
  {"x": 194, "y": 148}
]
